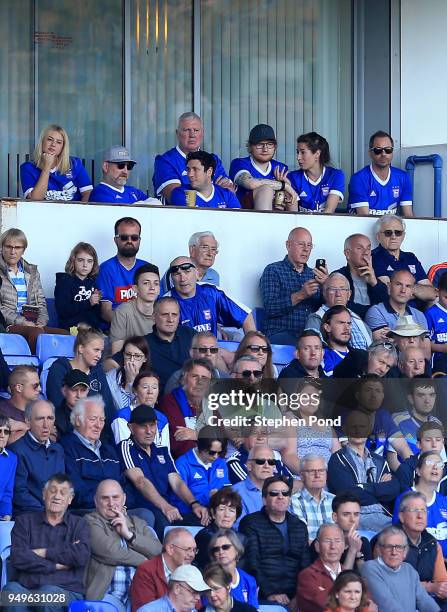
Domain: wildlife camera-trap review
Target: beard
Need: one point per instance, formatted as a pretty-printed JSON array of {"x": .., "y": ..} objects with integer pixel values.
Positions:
[{"x": 128, "y": 250}]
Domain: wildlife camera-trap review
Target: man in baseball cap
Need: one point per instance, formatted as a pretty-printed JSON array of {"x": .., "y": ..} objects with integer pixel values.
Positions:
[
  {"x": 184, "y": 588},
  {"x": 75, "y": 386},
  {"x": 115, "y": 172},
  {"x": 409, "y": 333},
  {"x": 258, "y": 177}
]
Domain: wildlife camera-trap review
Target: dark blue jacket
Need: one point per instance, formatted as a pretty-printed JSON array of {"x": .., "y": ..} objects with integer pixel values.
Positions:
[
  {"x": 86, "y": 470},
  {"x": 343, "y": 478},
  {"x": 35, "y": 465},
  {"x": 72, "y": 301}
]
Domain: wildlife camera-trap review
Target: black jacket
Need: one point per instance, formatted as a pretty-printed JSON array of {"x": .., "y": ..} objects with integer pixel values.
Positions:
[
  {"x": 72, "y": 301},
  {"x": 274, "y": 569},
  {"x": 406, "y": 471}
]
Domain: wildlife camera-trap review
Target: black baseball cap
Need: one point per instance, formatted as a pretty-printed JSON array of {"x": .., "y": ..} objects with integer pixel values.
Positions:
[
  {"x": 73, "y": 378},
  {"x": 143, "y": 414},
  {"x": 261, "y": 132}
]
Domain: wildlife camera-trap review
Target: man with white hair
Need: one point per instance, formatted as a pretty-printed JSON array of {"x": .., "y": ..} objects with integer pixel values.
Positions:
[
  {"x": 38, "y": 458},
  {"x": 313, "y": 504},
  {"x": 170, "y": 167},
  {"x": 88, "y": 460},
  {"x": 336, "y": 292},
  {"x": 394, "y": 584}
]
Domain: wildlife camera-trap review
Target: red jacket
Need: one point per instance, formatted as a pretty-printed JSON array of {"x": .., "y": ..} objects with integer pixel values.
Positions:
[
  {"x": 314, "y": 584},
  {"x": 149, "y": 583},
  {"x": 169, "y": 406}
]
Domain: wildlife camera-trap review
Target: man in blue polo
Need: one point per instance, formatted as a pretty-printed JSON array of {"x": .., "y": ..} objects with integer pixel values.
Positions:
[
  {"x": 152, "y": 479},
  {"x": 170, "y": 167},
  {"x": 200, "y": 170},
  {"x": 380, "y": 188},
  {"x": 115, "y": 173},
  {"x": 203, "y": 306}
]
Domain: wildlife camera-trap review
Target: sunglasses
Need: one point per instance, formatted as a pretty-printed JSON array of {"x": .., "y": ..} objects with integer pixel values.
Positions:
[
  {"x": 389, "y": 233},
  {"x": 205, "y": 349},
  {"x": 122, "y": 165},
  {"x": 380, "y": 150},
  {"x": 216, "y": 549},
  {"x": 249, "y": 373},
  {"x": 264, "y": 461},
  {"x": 183, "y": 266},
  {"x": 258, "y": 348},
  {"x": 285, "y": 493},
  {"x": 5, "y": 430},
  {"x": 126, "y": 237}
]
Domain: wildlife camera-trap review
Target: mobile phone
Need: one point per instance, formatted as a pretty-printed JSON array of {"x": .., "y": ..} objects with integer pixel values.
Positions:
[{"x": 320, "y": 264}]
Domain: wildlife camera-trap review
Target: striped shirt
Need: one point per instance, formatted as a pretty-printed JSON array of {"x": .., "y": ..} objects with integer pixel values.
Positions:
[{"x": 18, "y": 280}]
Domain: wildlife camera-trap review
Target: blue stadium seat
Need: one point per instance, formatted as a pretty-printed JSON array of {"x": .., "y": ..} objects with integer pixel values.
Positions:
[
  {"x": 15, "y": 360},
  {"x": 53, "y": 320},
  {"x": 83, "y": 605},
  {"x": 13, "y": 344},
  {"x": 54, "y": 345},
  {"x": 5, "y": 547},
  {"x": 44, "y": 375},
  {"x": 282, "y": 354},
  {"x": 228, "y": 344}
]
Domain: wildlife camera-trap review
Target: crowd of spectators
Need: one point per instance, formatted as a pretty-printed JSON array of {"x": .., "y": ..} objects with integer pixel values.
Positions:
[{"x": 112, "y": 462}]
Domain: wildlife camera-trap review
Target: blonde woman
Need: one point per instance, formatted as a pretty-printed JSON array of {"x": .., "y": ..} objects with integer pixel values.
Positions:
[{"x": 53, "y": 174}]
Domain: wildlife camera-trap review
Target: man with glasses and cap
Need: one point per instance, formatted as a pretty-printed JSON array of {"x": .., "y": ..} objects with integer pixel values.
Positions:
[
  {"x": 76, "y": 385},
  {"x": 116, "y": 275},
  {"x": 203, "y": 306},
  {"x": 277, "y": 544},
  {"x": 380, "y": 188},
  {"x": 115, "y": 172}
]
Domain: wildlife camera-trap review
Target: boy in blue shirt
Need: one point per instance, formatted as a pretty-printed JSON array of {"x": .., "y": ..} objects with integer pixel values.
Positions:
[{"x": 436, "y": 317}]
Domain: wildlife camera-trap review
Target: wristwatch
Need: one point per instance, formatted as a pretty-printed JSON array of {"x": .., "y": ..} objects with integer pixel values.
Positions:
[
  {"x": 194, "y": 501},
  {"x": 130, "y": 540}
]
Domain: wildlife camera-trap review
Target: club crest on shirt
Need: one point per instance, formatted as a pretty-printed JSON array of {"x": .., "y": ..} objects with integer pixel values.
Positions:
[
  {"x": 325, "y": 190},
  {"x": 412, "y": 268},
  {"x": 396, "y": 192},
  {"x": 207, "y": 314},
  {"x": 219, "y": 473},
  {"x": 161, "y": 458}
]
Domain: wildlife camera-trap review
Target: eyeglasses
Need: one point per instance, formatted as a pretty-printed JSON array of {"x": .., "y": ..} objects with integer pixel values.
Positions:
[
  {"x": 135, "y": 356},
  {"x": 189, "y": 549},
  {"x": 399, "y": 547},
  {"x": 126, "y": 237},
  {"x": 285, "y": 493},
  {"x": 34, "y": 386},
  {"x": 389, "y": 233},
  {"x": 258, "y": 348},
  {"x": 216, "y": 549},
  {"x": 122, "y": 165},
  {"x": 380, "y": 150},
  {"x": 338, "y": 289},
  {"x": 12, "y": 247},
  {"x": 302, "y": 245},
  {"x": 213, "y": 453},
  {"x": 5, "y": 431},
  {"x": 204, "y": 248},
  {"x": 416, "y": 510},
  {"x": 206, "y": 349},
  {"x": 317, "y": 472},
  {"x": 249, "y": 373},
  {"x": 264, "y": 461},
  {"x": 431, "y": 462},
  {"x": 183, "y": 266},
  {"x": 265, "y": 145}
]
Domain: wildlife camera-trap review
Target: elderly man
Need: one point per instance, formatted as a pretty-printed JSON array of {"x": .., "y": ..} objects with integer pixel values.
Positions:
[
  {"x": 119, "y": 544},
  {"x": 49, "y": 552},
  {"x": 170, "y": 167},
  {"x": 387, "y": 257},
  {"x": 383, "y": 317},
  {"x": 115, "y": 173},
  {"x": 315, "y": 581},
  {"x": 151, "y": 578},
  {"x": 291, "y": 290},
  {"x": 203, "y": 306},
  {"x": 380, "y": 188},
  {"x": 152, "y": 479},
  {"x": 116, "y": 275},
  {"x": 366, "y": 290},
  {"x": 185, "y": 586},
  {"x": 408, "y": 333},
  {"x": 378, "y": 359},
  {"x": 88, "y": 460},
  {"x": 261, "y": 465},
  {"x": 76, "y": 385},
  {"x": 277, "y": 547},
  {"x": 313, "y": 504},
  {"x": 38, "y": 457},
  {"x": 200, "y": 170},
  {"x": 336, "y": 292},
  {"x": 24, "y": 387},
  {"x": 394, "y": 584},
  {"x": 135, "y": 317},
  {"x": 424, "y": 552}
]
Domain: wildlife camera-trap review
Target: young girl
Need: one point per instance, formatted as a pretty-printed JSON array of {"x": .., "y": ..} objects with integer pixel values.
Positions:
[
  {"x": 8, "y": 465},
  {"x": 76, "y": 297},
  {"x": 53, "y": 174}
]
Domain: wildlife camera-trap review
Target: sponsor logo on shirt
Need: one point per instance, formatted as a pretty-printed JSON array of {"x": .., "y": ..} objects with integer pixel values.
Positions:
[
  {"x": 390, "y": 269},
  {"x": 124, "y": 293},
  {"x": 197, "y": 476},
  {"x": 303, "y": 194},
  {"x": 202, "y": 328},
  {"x": 372, "y": 194}
]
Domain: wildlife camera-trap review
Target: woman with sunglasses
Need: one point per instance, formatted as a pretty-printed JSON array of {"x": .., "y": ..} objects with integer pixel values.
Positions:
[
  {"x": 428, "y": 474},
  {"x": 349, "y": 593},
  {"x": 53, "y": 174},
  {"x": 8, "y": 465},
  {"x": 311, "y": 438},
  {"x": 120, "y": 380},
  {"x": 220, "y": 596},
  {"x": 225, "y": 508},
  {"x": 226, "y": 549},
  {"x": 256, "y": 344},
  {"x": 319, "y": 186}
]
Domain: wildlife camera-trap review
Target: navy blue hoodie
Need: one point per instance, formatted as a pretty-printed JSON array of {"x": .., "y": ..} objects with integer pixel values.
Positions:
[{"x": 72, "y": 301}]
